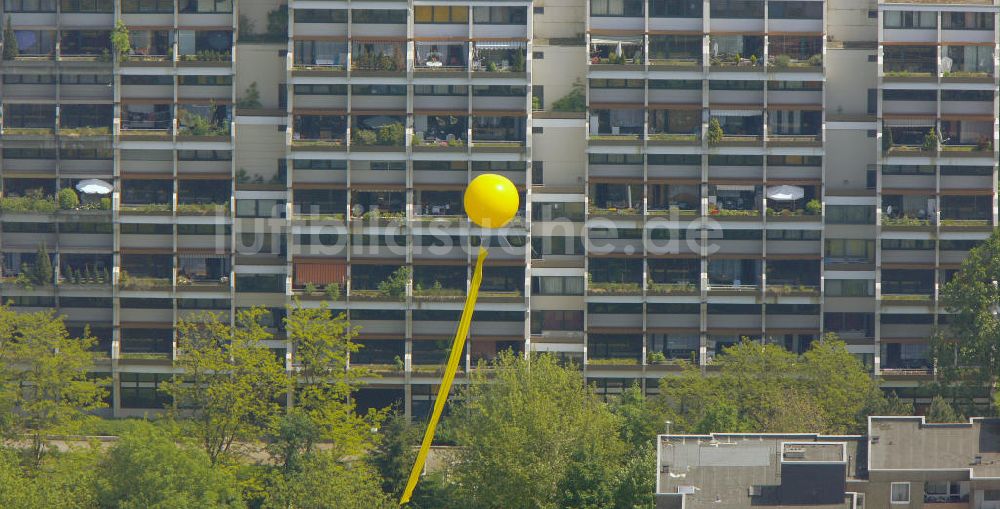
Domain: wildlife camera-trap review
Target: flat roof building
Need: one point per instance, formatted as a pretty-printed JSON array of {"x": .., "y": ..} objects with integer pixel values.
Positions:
[{"x": 902, "y": 462}]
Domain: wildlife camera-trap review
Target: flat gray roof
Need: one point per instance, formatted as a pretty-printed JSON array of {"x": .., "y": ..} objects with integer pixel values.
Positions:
[{"x": 907, "y": 443}]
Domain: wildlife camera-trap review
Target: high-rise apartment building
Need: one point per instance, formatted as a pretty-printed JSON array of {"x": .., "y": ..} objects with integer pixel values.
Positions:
[{"x": 692, "y": 172}]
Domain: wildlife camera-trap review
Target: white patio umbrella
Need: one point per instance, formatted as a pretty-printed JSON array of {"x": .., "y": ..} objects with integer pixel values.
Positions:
[
  {"x": 785, "y": 193},
  {"x": 94, "y": 186}
]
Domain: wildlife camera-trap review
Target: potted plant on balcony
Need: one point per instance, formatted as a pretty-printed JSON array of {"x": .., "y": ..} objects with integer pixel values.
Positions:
[
  {"x": 714, "y": 135},
  {"x": 120, "y": 40},
  {"x": 10, "y": 50},
  {"x": 931, "y": 141}
]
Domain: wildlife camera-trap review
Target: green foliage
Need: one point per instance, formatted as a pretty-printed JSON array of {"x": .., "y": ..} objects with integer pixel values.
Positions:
[
  {"x": 941, "y": 411},
  {"x": 394, "y": 455},
  {"x": 146, "y": 469},
  {"x": 715, "y": 134},
  {"x": 62, "y": 480},
  {"x": 395, "y": 284},
  {"x": 251, "y": 98},
  {"x": 360, "y": 136},
  {"x": 309, "y": 289},
  {"x": 764, "y": 388},
  {"x": 120, "y": 40},
  {"x": 197, "y": 125},
  {"x": 10, "y": 50},
  {"x": 332, "y": 291},
  {"x": 533, "y": 438},
  {"x": 815, "y": 60},
  {"x": 323, "y": 481},
  {"x": 68, "y": 200},
  {"x": 814, "y": 207},
  {"x": 105, "y": 203},
  {"x": 34, "y": 200},
  {"x": 575, "y": 100},
  {"x": 234, "y": 408},
  {"x": 277, "y": 21},
  {"x": 887, "y": 141},
  {"x": 536, "y": 103},
  {"x": 967, "y": 351},
  {"x": 391, "y": 134},
  {"x": 46, "y": 381},
  {"x": 42, "y": 272},
  {"x": 931, "y": 140},
  {"x": 782, "y": 61}
]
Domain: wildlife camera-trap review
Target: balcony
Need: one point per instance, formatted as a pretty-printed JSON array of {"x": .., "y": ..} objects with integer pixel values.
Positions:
[
  {"x": 207, "y": 273},
  {"x": 320, "y": 204},
  {"x": 499, "y": 57},
  {"x": 670, "y": 199},
  {"x": 150, "y": 47},
  {"x": 205, "y": 47},
  {"x": 734, "y": 201},
  {"x": 321, "y": 131},
  {"x": 328, "y": 56},
  {"x": 918, "y": 62},
  {"x": 674, "y": 276},
  {"x": 440, "y": 57},
  {"x": 901, "y": 359},
  {"x": 965, "y": 62},
  {"x": 620, "y": 124},
  {"x": 908, "y": 210},
  {"x": 204, "y": 122},
  {"x": 85, "y": 270},
  {"x": 380, "y": 206},
  {"x": 736, "y": 127},
  {"x": 967, "y": 137},
  {"x": 85, "y": 45},
  {"x": 615, "y": 276},
  {"x": 375, "y": 58},
  {"x": 678, "y": 52},
  {"x": 733, "y": 275},
  {"x": 674, "y": 127},
  {"x": 608, "y": 199},
  {"x": 380, "y": 356},
  {"x": 440, "y": 132},
  {"x": 148, "y": 197},
  {"x": 795, "y": 53},
  {"x": 439, "y": 207},
  {"x": 908, "y": 285},
  {"x": 384, "y": 131},
  {"x": 614, "y": 349},
  {"x": 737, "y": 53},
  {"x": 29, "y": 120},
  {"x": 439, "y": 283},
  {"x": 914, "y": 138},
  {"x": 203, "y": 197},
  {"x": 379, "y": 282},
  {"x": 617, "y": 53},
  {"x": 148, "y": 121},
  {"x": 793, "y": 277},
  {"x": 35, "y": 45},
  {"x": 966, "y": 211},
  {"x": 496, "y": 131},
  {"x": 666, "y": 349},
  {"x": 146, "y": 272}
]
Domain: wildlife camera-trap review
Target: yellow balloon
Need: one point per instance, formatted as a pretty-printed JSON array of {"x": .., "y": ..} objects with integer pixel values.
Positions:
[{"x": 491, "y": 200}]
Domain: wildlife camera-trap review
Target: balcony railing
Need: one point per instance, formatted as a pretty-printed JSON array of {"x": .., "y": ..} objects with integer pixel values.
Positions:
[{"x": 614, "y": 288}]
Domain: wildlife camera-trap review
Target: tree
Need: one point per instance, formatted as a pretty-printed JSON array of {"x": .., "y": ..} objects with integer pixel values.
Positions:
[
  {"x": 715, "y": 134},
  {"x": 146, "y": 469},
  {"x": 43, "y": 272},
  {"x": 230, "y": 380},
  {"x": 321, "y": 346},
  {"x": 324, "y": 481},
  {"x": 941, "y": 411},
  {"x": 967, "y": 351},
  {"x": 63, "y": 480},
  {"x": 10, "y": 49},
  {"x": 394, "y": 455},
  {"x": 120, "y": 40},
  {"x": 764, "y": 388},
  {"x": 46, "y": 379},
  {"x": 530, "y": 437},
  {"x": 68, "y": 200}
]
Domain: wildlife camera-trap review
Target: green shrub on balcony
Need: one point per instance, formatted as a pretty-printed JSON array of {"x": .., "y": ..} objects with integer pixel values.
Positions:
[
  {"x": 34, "y": 201},
  {"x": 814, "y": 207},
  {"x": 68, "y": 200},
  {"x": 391, "y": 134},
  {"x": 361, "y": 136},
  {"x": 614, "y": 288},
  {"x": 395, "y": 285},
  {"x": 197, "y": 125},
  {"x": 715, "y": 133}
]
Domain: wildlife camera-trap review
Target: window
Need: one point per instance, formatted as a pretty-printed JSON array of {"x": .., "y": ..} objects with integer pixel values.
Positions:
[
  {"x": 850, "y": 251},
  {"x": 557, "y": 285},
  {"x": 675, "y": 8},
  {"x": 147, "y": 6},
  {"x": 899, "y": 493},
  {"x": 848, "y": 288},
  {"x": 500, "y": 15},
  {"x": 260, "y": 283},
  {"x": 499, "y": 91},
  {"x": 29, "y": 79},
  {"x": 907, "y": 244},
  {"x": 615, "y": 159},
  {"x": 205, "y": 6},
  {"x": 378, "y": 89},
  {"x": 205, "y": 80},
  {"x": 29, "y": 6},
  {"x": 378, "y": 16},
  {"x": 130, "y": 79},
  {"x": 94, "y": 6},
  {"x": 616, "y": 83},
  {"x": 440, "y": 14},
  {"x": 320, "y": 89},
  {"x": 910, "y": 19},
  {"x": 675, "y": 84},
  {"x": 795, "y": 10},
  {"x": 967, "y": 20},
  {"x": 440, "y": 90},
  {"x": 616, "y": 8},
  {"x": 737, "y": 9},
  {"x": 260, "y": 208},
  {"x": 204, "y": 155},
  {"x": 320, "y": 15},
  {"x": 850, "y": 214}
]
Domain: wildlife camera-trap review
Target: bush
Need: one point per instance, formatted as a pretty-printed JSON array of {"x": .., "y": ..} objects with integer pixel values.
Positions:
[
  {"x": 68, "y": 199},
  {"x": 391, "y": 134},
  {"x": 10, "y": 50},
  {"x": 714, "y": 136},
  {"x": 105, "y": 203},
  {"x": 309, "y": 289},
  {"x": 931, "y": 140},
  {"x": 814, "y": 207},
  {"x": 361, "y": 136},
  {"x": 782, "y": 61},
  {"x": 575, "y": 100},
  {"x": 333, "y": 291},
  {"x": 395, "y": 284},
  {"x": 816, "y": 60}
]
